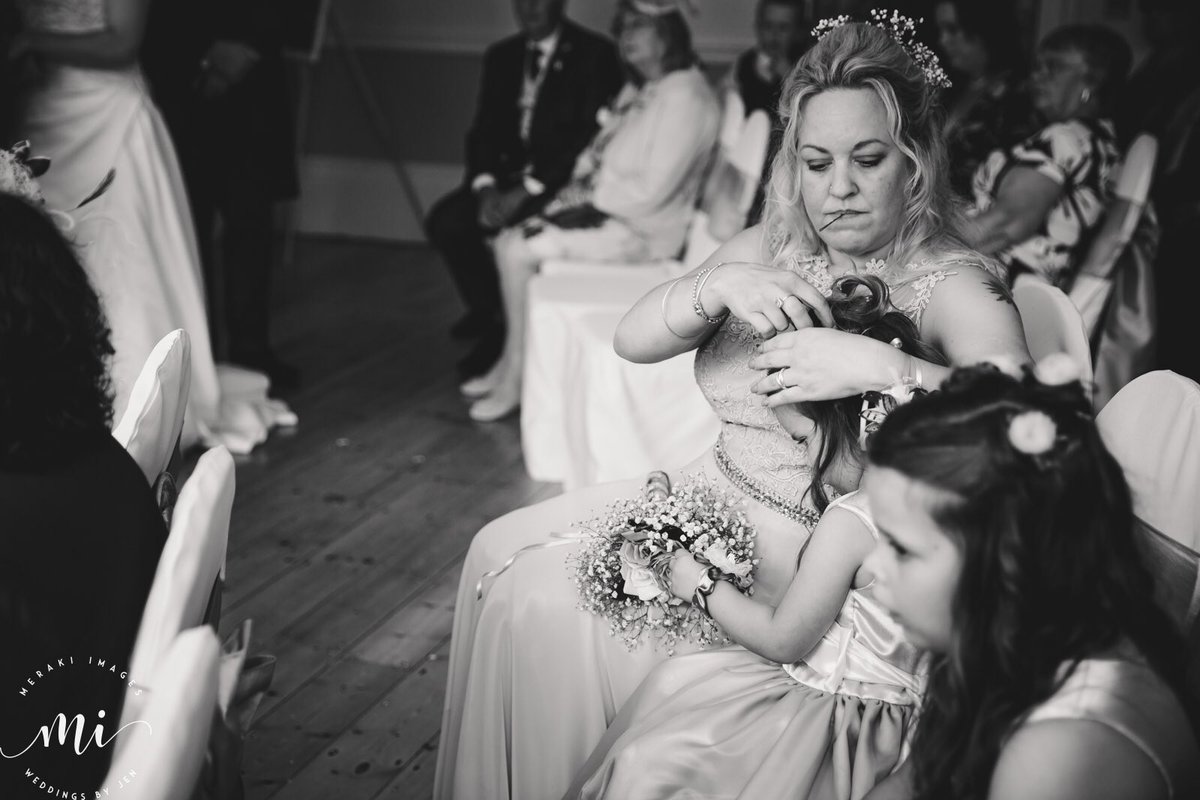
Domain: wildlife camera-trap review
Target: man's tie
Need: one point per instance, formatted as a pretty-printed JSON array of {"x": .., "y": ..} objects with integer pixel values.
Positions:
[{"x": 533, "y": 62}]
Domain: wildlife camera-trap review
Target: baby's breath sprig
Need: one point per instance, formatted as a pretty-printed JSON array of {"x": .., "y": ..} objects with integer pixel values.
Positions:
[{"x": 904, "y": 30}]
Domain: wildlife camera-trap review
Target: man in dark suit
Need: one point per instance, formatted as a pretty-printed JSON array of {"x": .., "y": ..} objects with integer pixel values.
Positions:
[
  {"x": 217, "y": 72},
  {"x": 537, "y": 108}
]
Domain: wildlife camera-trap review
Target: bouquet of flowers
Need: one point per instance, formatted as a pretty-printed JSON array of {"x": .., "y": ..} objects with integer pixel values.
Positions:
[{"x": 622, "y": 571}]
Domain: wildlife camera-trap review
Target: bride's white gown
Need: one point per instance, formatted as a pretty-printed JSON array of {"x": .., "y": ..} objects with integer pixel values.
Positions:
[{"x": 136, "y": 240}]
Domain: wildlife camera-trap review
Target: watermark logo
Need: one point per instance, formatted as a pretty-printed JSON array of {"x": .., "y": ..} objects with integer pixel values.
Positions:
[{"x": 66, "y": 733}]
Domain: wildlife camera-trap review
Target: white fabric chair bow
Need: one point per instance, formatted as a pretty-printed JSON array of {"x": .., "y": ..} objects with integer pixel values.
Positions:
[
  {"x": 188, "y": 570},
  {"x": 153, "y": 419},
  {"x": 1052, "y": 324},
  {"x": 166, "y": 742}
]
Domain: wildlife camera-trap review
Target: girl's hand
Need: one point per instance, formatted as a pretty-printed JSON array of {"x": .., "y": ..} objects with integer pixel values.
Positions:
[
  {"x": 685, "y": 574},
  {"x": 770, "y": 300},
  {"x": 824, "y": 364}
]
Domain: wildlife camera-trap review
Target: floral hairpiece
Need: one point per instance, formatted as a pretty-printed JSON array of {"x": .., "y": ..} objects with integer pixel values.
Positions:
[
  {"x": 876, "y": 405},
  {"x": 19, "y": 171},
  {"x": 1035, "y": 432},
  {"x": 904, "y": 30}
]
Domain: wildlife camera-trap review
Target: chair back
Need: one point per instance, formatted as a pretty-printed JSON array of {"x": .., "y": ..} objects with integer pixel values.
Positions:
[
  {"x": 1052, "y": 324},
  {"x": 167, "y": 742},
  {"x": 152, "y": 421},
  {"x": 1152, "y": 428},
  {"x": 191, "y": 563},
  {"x": 1122, "y": 215},
  {"x": 734, "y": 176}
]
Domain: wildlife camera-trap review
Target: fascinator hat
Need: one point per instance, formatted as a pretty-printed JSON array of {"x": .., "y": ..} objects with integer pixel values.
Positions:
[{"x": 657, "y": 8}]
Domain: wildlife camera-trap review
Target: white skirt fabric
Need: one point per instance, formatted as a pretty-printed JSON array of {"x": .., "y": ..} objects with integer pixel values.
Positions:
[{"x": 137, "y": 242}]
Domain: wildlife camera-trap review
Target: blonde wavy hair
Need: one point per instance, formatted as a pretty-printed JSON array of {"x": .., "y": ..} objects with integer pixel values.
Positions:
[{"x": 861, "y": 56}]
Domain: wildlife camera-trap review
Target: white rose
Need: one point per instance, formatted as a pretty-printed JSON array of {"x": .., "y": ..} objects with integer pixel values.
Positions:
[
  {"x": 1032, "y": 432},
  {"x": 718, "y": 556},
  {"x": 641, "y": 582}
]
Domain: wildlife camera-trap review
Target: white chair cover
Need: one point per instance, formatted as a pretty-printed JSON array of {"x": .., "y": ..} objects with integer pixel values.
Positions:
[
  {"x": 1114, "y": 287},
  {"x": 1152, "y": 428},
  {"x": 153, "y": 418},
  {"x": 623, "y": 419},
  {"x": 191, "y": 562},
  {"x": 1051, "y": 323},
  {"x": 166, "y": 747}
]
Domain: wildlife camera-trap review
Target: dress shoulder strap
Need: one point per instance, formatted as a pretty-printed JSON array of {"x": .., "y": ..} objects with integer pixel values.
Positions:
[
  {"x": 855, "y": 502},
  {"x": 1128, "y": 697}
]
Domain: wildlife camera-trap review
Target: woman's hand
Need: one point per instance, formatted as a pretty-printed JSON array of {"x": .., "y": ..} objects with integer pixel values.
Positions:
[
  {"x": 824, "y": 364},
  {"x": 685, "y": 574},
  {"x": 770, "y": 300}
]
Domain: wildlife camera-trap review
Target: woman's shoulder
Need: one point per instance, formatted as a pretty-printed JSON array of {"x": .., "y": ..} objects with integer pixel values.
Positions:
[{"x": 1112, "y": 713}]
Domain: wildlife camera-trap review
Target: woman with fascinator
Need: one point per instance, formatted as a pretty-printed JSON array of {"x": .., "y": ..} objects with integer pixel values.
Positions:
[
  {"x": 859, "y": 186},
  {"x": 632, "y": 191}
]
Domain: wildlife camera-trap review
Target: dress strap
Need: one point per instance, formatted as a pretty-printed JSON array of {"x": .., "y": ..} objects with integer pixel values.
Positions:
[{"x": 853, "y": 503}]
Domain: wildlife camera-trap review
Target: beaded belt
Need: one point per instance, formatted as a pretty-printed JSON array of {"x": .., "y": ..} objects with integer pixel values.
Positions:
[{"x": 806, "y": 516}]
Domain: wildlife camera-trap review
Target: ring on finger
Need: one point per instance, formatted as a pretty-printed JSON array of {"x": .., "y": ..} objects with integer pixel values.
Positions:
[
  {"x": 779, "y": 301},
  {"x": 779, "y": 379}
]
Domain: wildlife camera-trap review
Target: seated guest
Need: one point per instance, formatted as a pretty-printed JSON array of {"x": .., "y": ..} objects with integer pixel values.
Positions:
[
  {"x": 781, "y": 37},
  {"x": 989, "y": 107},
  {"x": 633, "y": 190},
  {"x": 1008, "y": 550},
  {"x": 540, "y": 93},
  {"x": 81, "y": 534},
  {"x": 1037, "y": 203}
]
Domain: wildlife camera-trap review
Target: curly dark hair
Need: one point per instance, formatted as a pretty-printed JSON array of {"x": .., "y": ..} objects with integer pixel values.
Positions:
[
  {"x": 1051, "y": 570},
  {"x": 54, "y": 342},
  {"x": 869, "y": 313}
]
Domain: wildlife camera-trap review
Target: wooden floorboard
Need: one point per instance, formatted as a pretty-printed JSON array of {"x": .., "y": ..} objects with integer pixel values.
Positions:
[{"x": 348, "y": 533}]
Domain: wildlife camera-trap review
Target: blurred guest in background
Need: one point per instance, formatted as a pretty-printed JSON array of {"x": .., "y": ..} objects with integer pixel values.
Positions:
[
  {"x": 540, "y": 93},
  {"x": 781, "y": 37},
  {"x": 82, "y": 533},
  {"x": 1163, "y": 99},
  {"x": 1037, "y": 202},
  {"x": 216, "y": 70},
  {"x": 989, "y": 105},
  {"x": 633, "y": 190}
]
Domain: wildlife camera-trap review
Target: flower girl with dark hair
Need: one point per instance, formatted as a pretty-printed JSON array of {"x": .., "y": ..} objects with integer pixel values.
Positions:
[
  {"x": 833, "y": 719},
  {"x": 1009, "y": 552}
]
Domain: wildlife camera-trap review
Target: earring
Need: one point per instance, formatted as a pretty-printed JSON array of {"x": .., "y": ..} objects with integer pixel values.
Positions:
[{"x": 1085, "y": 95}]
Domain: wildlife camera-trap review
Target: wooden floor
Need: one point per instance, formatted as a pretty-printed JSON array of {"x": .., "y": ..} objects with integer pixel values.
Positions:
[{"x": 348, "y": 533}]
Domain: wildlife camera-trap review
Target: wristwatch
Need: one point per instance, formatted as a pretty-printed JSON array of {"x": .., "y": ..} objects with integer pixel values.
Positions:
[{"x": 705, "y": 585}]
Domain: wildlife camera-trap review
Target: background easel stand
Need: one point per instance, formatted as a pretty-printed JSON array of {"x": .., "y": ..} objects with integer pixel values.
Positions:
[{"x": 329, "y": 22}]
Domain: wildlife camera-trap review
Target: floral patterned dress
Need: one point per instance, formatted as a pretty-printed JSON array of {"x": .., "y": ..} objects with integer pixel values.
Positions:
[{"x": 1081, "y": 157}]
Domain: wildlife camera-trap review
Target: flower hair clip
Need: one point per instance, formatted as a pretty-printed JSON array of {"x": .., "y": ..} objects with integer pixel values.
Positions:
[
  {"x": 19, "y": 171},
  {"x": 1032, "y": 433},
  {"x": 904, "y": 30}
]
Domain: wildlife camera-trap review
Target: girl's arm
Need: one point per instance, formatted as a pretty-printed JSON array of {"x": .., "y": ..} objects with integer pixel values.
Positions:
[
  {"x": 816, "y": 595},
  {"x": 661, "y": 326},
  {"x": 117, "y": 45},
  {"x": 1024, "y": 199},
  {"x": 1074, "y": 760}
]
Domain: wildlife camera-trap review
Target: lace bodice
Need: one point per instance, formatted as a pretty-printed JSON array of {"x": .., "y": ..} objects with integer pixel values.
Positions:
[
  {"x": 864, "y": 652},
  {"x": 63, "y": 16},
  {"x": 752, "y": 440}
]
